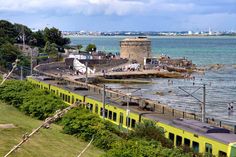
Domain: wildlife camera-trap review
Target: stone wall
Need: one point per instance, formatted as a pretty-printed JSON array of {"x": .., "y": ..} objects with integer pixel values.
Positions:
[{"x": 135, "y": 49}]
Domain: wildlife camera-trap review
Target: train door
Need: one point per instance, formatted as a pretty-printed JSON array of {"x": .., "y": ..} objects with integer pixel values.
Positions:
[
  {"x": 208, "y": 149},
  {"x": 232, "y": 150}
]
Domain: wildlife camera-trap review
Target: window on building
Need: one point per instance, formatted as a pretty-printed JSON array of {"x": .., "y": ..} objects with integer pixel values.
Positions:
[
  {"x": 121, "y": 118},
  {"x": 195, "y": 147},
  {"x": 110, "y": 114},
  {"x": 172, "y": 137},
  {"x": 178, "y": 140},
  {"x": 133, "y": 122},
  {"x": 114, "y": 116},
  {"x": 222, "y": 154},
  {"x": 187, "y": 142}
]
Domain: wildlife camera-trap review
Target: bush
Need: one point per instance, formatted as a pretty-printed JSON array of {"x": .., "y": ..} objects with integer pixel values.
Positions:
[
  {"x": 13, "y": 92},
  {"x": 84, "y": 124},
  {"x": 148, "y": 130},
  {"x": 29, "y": 99}
]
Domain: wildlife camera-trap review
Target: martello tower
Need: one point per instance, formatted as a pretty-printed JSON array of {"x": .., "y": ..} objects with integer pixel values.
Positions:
[{"x": 135, "y": 48}]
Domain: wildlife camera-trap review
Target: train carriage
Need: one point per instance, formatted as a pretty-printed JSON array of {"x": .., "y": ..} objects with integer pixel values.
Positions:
[{"x": 202, "y": 137}]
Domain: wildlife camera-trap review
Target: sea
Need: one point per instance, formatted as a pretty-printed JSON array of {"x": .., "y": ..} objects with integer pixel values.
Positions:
[{"x": 217, "y": 54}]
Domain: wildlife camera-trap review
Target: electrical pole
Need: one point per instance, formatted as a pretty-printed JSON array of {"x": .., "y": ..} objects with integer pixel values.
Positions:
[
  {"x": 103, "y": 101},
  {"x": 21, "y": 73},
  {"x": 31, "y": 61},
  {"x": 86, "y": 73},
  {"x": 204, "y": 103},
  {"x": 127, "y": 111}
]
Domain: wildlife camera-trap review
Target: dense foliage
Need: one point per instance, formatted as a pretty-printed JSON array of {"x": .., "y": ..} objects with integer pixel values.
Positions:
[
  {"x": 91, "y": 48},
  {"x": 11, "y": 34},
  {"x": 150, "y": 131},
  {"x": 84, "y": 124},
  {"x": 147, "y": 140},
  {"x": 142, "y": 148},
  {"x": 32, "y": 101}
]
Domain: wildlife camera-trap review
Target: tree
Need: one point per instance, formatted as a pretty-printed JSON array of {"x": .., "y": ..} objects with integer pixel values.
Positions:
[
  {"x": 51, "y": 49},
  {"x": 53, "y": 35},
  {"x": 39, "y": 36},
  {"x": 79, "y": 47},
  {"x": 8, "y": 54},
  {"x": 91, "y": 48},
  {"x": 20, "y": 30},
  {"x": 7, "y": 31}
]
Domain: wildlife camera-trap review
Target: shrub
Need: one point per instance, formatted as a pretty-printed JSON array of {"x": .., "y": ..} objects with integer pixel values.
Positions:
[{"x": 150, "y": 131}]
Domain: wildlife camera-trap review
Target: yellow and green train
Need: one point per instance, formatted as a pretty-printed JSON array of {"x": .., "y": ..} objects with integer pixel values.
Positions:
[{"x": 202, "y": 137}]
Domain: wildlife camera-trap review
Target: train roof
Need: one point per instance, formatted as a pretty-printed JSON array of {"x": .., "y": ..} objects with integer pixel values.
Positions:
[
  {"x": 194, "y": 126},
  {"x": 198, "y": 128}
]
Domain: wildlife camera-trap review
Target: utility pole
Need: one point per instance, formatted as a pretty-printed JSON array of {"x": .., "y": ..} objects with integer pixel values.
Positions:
[
  {"x": 21, "y": 73},
  {"x": 204, "y": 103},
  {"x": 23, "y": 37},
  {"x": 86, "y": 73},
  {"x": 31, "y": 62},
  {"x": 103, "y": 101},
  {"x": 127, "y": 111}
]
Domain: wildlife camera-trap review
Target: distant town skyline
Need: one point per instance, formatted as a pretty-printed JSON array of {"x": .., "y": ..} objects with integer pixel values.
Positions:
[{"x": 122, "y": 15}]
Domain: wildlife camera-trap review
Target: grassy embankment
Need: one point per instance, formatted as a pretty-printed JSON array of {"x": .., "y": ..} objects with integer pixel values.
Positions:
[{"x": 48, "y": 142}]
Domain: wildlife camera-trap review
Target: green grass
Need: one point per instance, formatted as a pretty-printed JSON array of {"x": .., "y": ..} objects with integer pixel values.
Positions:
[{"x": 46, "y": 143}]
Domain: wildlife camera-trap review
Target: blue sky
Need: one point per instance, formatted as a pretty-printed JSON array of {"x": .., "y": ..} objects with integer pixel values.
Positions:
[{"x": 130, "y": 15}]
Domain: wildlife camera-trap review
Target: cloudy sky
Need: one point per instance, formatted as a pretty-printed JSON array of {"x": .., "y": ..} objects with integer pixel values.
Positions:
[{"x": 130, "y": 15}]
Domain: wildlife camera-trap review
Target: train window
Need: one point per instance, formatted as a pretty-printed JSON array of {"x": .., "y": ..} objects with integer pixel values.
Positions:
[
  {"x": 195, "y": 147},
  {"x": 133, "y": 122},
  {"x": 60, "y": 95},
  {"x": 65, "y": 97},
  {"x": 96, "y": 108},
  {"x": 73, "y": 99},
  {"x": 114, "y": 116},
  {"x": 178, "y": 140},
  {"x": 101, "y": 110},
  {"x": 110, "y": 114},
  {"x": 121, "y": 118},
  {"x": 57, "y": 92},
  {"x": 68, "y": 99},
  {"x": 208, "y": 148},
  {"x": 187, "y": 142},
  {"x": 128, "y": 121},
  {"x": 222, "y": 154},
  {"x": 106, "y": 111},
  {"x": 91, "y": 107},
  {"x": 172, "y": 137}
]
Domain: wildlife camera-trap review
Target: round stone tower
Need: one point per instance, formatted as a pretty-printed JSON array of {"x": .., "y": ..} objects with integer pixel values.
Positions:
[{"x": 135, "y": 48}]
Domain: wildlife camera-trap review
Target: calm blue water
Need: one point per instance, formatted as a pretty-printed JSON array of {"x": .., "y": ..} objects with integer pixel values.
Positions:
[{"x": 203, "y": 51}]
